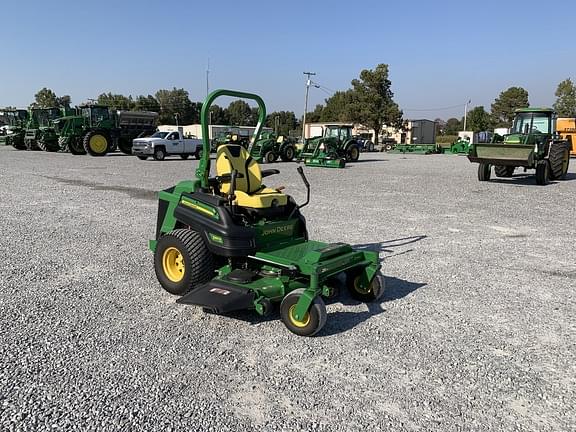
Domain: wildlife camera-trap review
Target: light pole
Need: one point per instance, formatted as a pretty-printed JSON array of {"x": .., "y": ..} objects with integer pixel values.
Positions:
[
  {"x": 466, "y": 113},
  {"x": 308, "y": 82},
  {"x": 207, "y": 81}
]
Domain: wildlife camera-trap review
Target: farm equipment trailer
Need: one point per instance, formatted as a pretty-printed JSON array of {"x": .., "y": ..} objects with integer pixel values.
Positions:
[{"x": 533, "y": 143}]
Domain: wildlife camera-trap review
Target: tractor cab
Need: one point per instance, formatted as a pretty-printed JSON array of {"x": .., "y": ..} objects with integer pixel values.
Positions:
[
  {"x": 342, "y": 133},
  {"x": 531, "y": 126},
  {"x": 97, "y": 116}
]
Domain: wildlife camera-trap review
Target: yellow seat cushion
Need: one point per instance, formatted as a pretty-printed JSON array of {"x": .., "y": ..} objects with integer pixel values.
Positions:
[
  {"x": 264, "y": 199},
  {"x": 249, "y": 189}
]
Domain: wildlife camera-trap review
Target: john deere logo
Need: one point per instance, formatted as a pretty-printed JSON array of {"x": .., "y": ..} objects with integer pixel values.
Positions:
[{"x": 277, "y": 230}]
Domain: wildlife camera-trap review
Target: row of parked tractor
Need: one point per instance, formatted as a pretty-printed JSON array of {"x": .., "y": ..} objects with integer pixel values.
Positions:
[
  {"x": 93, "y": 129},
  {"x": 98, "y": 130}
]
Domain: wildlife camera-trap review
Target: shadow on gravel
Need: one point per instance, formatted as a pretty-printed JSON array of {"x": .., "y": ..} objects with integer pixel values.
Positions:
[
  {"x": 389, "y": 245},
  {"x": 132, "y": 192},
  {"x": 341, "y": 321},
  {"x": 367, "y": 161}
]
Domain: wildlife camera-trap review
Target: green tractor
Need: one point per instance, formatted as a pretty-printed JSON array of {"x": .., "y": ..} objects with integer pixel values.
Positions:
[
  {"x": 98, "y": 130},
  {"x": 333, "y": 149},
  {"x": 271, "y": 147},
  {"x": 40, "y": 133},
  {"x": 15, "y": 128},
  {"x": 227, "y": 242},
  {"x": 532, "y": 144}
]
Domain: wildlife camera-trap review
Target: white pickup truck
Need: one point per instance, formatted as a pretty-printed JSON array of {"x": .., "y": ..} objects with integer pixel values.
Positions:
[{"x": 162, "y": 144}]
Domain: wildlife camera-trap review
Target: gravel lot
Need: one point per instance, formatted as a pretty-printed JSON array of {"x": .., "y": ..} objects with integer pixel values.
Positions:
[{"x": 477, "y": 330}]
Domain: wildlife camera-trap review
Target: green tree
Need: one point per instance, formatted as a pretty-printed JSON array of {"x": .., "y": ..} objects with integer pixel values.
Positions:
[
  {"x": 176, "y": 101},
  {"x": 338, "y": 107},
  {"x": 565, "y": 104},
  {"x": 146, "y": 103},
  {"x": 478, "y": 119},
  {"x": 372, "y": 101},
  {"x": 453, "y": 126},
  {"x": 316, "y": 115},
  {"x": 116, "y": 101},
  {"x": 46, "y": 98},
  {"x": 286, "y": 121},
  {"x": 218, "y": 115},
  {"x": 505, "y": 104},
  {"x": 239, "y": 113}
]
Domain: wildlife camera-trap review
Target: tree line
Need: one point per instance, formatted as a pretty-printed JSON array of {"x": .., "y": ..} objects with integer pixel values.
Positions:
[{"x": 369, "y": 101}]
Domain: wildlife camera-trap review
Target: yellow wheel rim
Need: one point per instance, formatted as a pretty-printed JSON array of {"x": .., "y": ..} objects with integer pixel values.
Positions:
[
  {"x": 173, "y": 264},
  {"x": 98, "y": 143},
  {"x": 359, "y": 288},
  {"x": 294, "y": 321}
]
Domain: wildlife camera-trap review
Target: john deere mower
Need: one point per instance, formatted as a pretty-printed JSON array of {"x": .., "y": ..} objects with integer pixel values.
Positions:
[
  {"x": 227, "y": 242},
  {"x": 532, "y": 144}
]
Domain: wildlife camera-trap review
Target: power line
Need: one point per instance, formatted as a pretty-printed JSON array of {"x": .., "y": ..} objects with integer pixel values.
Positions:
[{"x": 436, "y": 109}]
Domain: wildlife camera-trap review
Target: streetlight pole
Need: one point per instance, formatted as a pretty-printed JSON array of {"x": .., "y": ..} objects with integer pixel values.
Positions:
[
  {"x": 466, "y": 112},
  {"x": 207, "y": 81},
  {"x": 308, "y": 82}
]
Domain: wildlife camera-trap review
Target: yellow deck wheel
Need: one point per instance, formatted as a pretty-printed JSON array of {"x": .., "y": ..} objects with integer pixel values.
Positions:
[{"x": 294, "y": 321}]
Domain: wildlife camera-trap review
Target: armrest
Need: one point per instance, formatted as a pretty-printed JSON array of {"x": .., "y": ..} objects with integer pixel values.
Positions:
[
  {"x": 226, "y": 178},
  {"x": 269, "y": 172}
]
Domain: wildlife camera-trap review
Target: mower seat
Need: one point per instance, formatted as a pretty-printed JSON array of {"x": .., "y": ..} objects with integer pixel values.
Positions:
[
  {"x": 280, "y": 139},
  {"x": 249, "y": 192}
]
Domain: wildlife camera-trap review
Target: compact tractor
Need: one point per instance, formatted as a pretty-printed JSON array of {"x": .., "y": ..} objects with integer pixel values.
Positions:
[
  {"x": 15, "y": 128},
  {"x": 532, "y": 143},
  {"x": 98, "y": 130},
  {"x": 271, "y": 147},
  {"x": 227, "y": 242},
  {"x": 333, "y": 149}
]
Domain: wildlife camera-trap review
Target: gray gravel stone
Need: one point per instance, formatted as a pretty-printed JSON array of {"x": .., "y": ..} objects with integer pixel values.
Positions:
[{"x": 476, "y": 331}]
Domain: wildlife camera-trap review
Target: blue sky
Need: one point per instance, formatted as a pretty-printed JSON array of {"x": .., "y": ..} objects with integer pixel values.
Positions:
[{"x": 440, "y": 53}]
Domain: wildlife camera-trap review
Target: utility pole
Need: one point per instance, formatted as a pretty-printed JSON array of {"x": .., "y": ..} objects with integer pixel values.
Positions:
[
  {"x": 308, "y": 82},
  {"x": 207, "y": 79},
  {"x": 466, "y": 113}
]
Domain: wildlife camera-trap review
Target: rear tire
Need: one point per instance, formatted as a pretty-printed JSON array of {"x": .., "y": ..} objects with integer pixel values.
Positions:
[
  {"x": 504, "y": 171},
  {"x": 484, "y": 171},
  {"x": 353, "y": 153},
  {"x": 96, "y": 143},
  {"x": 184, "y": 156},
  {"x": 542, "y": 173},
  {"x": 198, "y": 153},
  {"x": 559, "y": 160},
  {"x": 142, "y": 157},
  {"x": 270, "y": 157},
  {"x": 182, "y": 261},
  {"x": 313, "y": 321},
  {"x": 288, "y": 154},
  {"x": 125, "y": 146}
]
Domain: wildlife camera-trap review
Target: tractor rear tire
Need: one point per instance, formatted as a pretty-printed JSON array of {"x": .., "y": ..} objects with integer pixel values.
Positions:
[
  {"x": 182, "y": 261},
  {"x": 96, "y": 143},
  {"x": 76, "y": 147},
  {"x": 314, "y": 320},
  {"x": 484, "y": 171},
  {"x": 288, "y": 153},
  {"x": 353, "y": 153},
  {"x": 504, "y": 170},
  {"x": 559, "y": 158},
  {"x": 41, "y": 145},
  {"x": 270, "y": 157},
  {"x": 374, "y": 291},
  {"x": 542, "y": 173}
]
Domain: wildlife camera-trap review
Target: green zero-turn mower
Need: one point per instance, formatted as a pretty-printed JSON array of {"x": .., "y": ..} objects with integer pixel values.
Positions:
[{"x": 228, "y": 242}]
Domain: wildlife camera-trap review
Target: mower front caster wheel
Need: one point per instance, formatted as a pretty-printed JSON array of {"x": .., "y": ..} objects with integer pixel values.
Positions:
[
  {"x": 312, "y": 322},
  {"x": 363, "y": 291}
]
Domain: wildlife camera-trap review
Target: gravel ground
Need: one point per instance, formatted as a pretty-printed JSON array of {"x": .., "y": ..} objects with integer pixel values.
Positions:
[{"x": 476, "y": 331}]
